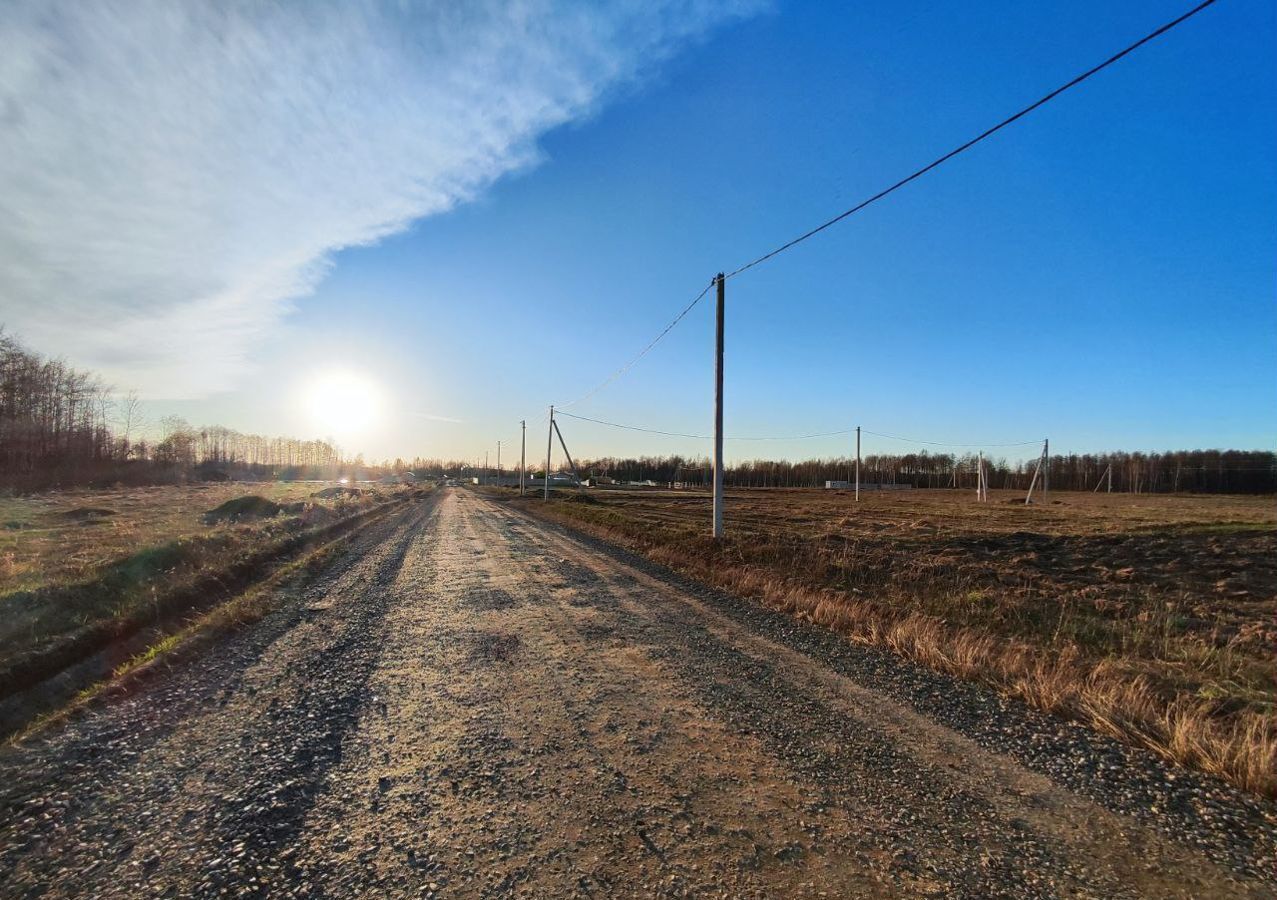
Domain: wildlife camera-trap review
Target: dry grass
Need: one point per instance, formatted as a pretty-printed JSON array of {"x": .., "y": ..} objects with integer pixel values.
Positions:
[
  {"x": 78, "y": 567},
  {"x": 55, "y": 537},
  {"x": 243, "y": 609},
  {"x": 1151, "y": 618}
]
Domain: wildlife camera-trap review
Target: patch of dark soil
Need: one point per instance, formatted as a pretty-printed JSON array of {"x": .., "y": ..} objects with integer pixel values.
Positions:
[
  {"x": 593, "y": 632},
  {"x": 88, "y": 513},
  {"x": 488, "y": 600},
  {"x": 242, "y": 509},
  {"x": 332, "y": 493},
  {"x": 490, "y": 647}
]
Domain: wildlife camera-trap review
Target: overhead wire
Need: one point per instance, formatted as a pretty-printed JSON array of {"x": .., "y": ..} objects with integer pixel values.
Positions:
[
  {"x": 656, "y": 340},
  {"x": 962, "y": 148},
  {"x": 895, "y": 437},
  {"x": 699, "y": 437},
  {"x": 788, "y": 437},
  {"x": 975, "y": 140}
]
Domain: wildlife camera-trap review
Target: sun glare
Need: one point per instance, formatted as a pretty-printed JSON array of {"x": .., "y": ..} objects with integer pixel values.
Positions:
[{"x": 343, "y": 403}]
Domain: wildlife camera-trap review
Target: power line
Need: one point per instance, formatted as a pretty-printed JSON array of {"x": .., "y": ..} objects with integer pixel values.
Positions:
[
  {"x": 845, "y": 214},
  {"x": 699, "y": 437},
  {"x": 625, "y": 368},
  {"x": 971, "y": 143},
  {"x": 793, "y": 437},
  {"x": 895, "y": 437},
  {"x": 785, "y": 437},
  {"x": 883, "y": 193}
]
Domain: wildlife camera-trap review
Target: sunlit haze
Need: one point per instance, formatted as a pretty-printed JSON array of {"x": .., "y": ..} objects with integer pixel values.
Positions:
[{"x": 344, "y": 404}]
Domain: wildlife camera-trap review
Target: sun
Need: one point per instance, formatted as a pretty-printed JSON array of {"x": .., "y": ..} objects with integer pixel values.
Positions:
[{"x": 343, "y": 403}]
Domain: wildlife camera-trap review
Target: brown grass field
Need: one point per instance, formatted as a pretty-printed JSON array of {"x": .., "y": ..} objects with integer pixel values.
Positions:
[
  {"x": 1153, "y": 618},
  {"x": 81, "y": 565},
  {"x": 66, "y": 536}
]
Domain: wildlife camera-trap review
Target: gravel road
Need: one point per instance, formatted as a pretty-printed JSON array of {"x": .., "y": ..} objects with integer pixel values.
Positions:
[{"x": 469, "y": 702}]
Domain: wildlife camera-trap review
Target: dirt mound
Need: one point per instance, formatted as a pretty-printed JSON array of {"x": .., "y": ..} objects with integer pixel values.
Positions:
[
  {"x": 330, "y": 493},
  {"x": 88, "y": 513},
  {"x": 572, "y": 496},
  {"x": 241, "y": 509}
]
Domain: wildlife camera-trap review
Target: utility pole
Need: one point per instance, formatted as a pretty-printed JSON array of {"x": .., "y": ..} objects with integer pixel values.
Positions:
[
  {"x": 857, "y": 463},
  {"x": 487, "y": 473},
  {"x": 498, "y": 464},
  {"x": 549, "y": 442},
  {"x": 718, "y": 411},
  {"x": 1046, "y": 471},
  {"x": 1108, "y": 473},
  {"x": 564, "y": 445},
  {"x": 523, "y": 452}
]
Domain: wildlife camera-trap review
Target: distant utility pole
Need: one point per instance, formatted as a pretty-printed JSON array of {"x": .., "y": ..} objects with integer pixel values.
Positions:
[
  {"x": 1046, "y": 470},
  {"x": 1108, "y": 473},
  {"x": 498, "y": 464},
  {"x": 523, "y": 452},
  {"x": 549, "y": 443},
  {"x": 718, "y": 411},
  {"x": 487, "y": 474},
  {"x": 564, "y": 445},
  {"x": 1040, "y": 470},
  {"x": 857, "y": 463}
]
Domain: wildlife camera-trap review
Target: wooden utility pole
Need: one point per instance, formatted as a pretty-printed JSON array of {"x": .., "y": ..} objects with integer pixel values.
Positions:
[
  {"x": 1028, "y": 498},
  {"x": 523, "y": 453},
  {"x": 487, "y": 473},
  {"x": 549, "y": 443},
  {"x": 498, "y": 464},
  {"x": 857, "y": 463},
  {"x": 1046, "y": 470},
  {"x": 571, "y": 464},
  {"x": 718, "y": 411}
]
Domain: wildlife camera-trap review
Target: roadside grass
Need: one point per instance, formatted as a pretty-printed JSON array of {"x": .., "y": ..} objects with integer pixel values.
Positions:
[
  {"x": 170, "y": 649},
  {"x": 1152, "y": 620},
  {"x": 78, "y": 588},
  {"x": 63, "y": 537}
]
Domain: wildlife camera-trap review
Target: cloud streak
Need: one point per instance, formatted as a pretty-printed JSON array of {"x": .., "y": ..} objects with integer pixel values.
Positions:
[{"x": 175, "y": 176}]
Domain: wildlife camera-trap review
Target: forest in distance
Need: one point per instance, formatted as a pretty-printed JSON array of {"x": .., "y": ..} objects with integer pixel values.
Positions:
[{"x": 61, "y": 427}]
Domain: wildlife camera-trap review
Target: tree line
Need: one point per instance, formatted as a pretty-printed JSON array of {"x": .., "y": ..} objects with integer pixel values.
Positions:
[
  {"x": 62, "y": 427},
  {"x": 1193, "y": 471}
]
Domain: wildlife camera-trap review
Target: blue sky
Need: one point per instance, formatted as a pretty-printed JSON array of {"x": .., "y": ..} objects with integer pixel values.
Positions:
[{"x": 1103, "y": 272}]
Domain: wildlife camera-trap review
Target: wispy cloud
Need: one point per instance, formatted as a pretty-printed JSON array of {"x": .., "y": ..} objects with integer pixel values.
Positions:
[
  {"x": 174, "y": 176},
  {"x": 431, "y": 417}
]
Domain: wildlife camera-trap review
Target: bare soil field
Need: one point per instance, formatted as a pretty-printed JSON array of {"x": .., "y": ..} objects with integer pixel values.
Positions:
[{"x": 1150, "y": 617}]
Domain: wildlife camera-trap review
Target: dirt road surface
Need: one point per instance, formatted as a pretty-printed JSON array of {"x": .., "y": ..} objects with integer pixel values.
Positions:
[{"x": 471, "y": 703}]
